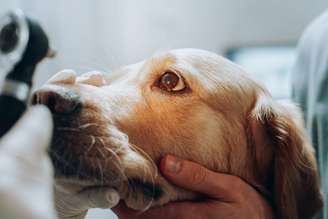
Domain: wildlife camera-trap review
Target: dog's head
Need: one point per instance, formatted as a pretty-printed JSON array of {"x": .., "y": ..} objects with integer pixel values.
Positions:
[{"x": 112, "y": 130}]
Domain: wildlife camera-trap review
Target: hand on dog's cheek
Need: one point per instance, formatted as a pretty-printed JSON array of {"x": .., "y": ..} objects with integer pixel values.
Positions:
[{"x": 229, "y": 197}]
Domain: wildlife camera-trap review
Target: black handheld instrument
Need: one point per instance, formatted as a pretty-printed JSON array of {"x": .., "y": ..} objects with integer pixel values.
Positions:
[{"x": 23, "y": 44}]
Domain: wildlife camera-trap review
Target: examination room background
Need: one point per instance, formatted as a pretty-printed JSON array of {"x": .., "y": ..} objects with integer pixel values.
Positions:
[{"x": 104, "y": 34}]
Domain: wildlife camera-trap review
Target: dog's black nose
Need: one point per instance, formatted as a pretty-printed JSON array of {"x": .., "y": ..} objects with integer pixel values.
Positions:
[{"x": 57, "y": 99}]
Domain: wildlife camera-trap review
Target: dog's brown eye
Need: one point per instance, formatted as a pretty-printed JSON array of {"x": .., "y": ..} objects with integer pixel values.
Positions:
[{"x": 171, "y": 81}]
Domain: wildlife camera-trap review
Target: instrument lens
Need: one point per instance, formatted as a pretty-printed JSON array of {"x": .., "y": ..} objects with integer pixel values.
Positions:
[{"x": 9, "y": 36}]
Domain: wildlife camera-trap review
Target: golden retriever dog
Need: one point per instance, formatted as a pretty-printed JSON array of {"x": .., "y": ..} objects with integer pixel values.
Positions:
[{"x": 112, "y": 130}]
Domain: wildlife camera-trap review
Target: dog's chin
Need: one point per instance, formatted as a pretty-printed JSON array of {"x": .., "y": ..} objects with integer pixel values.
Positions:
[
  {"x": 74, "y": 183},
  {"x": 75, "y": 173},
  {"x": 81, "y": 161}
]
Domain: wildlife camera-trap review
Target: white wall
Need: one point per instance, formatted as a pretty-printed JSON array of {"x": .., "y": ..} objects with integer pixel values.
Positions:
[{"x": 103, "y": 34}]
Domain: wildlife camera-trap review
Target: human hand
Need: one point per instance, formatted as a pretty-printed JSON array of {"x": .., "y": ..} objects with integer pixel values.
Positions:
[
  {"x": 26, "y": 171},
  {"x": 229, "y": 197}
]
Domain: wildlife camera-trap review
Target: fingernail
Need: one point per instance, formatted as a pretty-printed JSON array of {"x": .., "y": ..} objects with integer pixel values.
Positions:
[{"x": 172, "y": 164}]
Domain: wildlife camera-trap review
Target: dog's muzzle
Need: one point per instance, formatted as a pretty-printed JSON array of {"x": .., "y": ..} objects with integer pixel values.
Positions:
[{"x": 58, "y": 99}]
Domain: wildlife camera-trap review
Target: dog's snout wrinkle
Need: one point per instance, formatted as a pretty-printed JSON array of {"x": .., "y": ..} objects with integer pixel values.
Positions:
[{"x": 59, "y": 100}]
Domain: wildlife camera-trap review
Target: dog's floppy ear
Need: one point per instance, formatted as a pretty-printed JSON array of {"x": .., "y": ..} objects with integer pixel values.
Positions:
[{"x": 278, "y": 132}]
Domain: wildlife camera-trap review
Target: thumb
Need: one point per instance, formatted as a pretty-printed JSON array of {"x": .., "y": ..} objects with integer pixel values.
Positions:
[
  {"x": 30, "y": 136},
  {"x": 194, "y": 177}
]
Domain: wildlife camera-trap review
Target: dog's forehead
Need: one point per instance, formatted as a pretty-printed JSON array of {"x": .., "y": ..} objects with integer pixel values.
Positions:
[
  {"x": 196, "y": 66},
  {"x": 199, "y": 58},
  {"x": 187, "y": 56},
  {"x": 178, "y": 56}
]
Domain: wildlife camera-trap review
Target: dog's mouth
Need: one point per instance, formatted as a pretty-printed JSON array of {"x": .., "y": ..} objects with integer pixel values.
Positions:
[
  {"x": 79, "y": 150},
  {"x": 84, "y": 156}
]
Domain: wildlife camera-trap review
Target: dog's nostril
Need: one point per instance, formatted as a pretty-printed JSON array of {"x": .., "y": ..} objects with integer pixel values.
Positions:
[{"x": 57, "y": 100}]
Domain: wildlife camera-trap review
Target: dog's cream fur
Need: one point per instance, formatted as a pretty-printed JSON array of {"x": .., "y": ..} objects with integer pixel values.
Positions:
[{"x": 223, "y": 120}]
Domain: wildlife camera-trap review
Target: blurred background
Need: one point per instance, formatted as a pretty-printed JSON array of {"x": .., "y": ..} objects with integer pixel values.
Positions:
[{"x": 105, "y": 34}]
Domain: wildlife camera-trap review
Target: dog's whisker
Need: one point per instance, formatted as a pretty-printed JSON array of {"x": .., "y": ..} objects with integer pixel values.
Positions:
[
  {"x": 93, "y": 142},
  {"x": 113, "y": 152},
  {"x": 100, "y": 171},
  {"x": 117, "y": 162},
  {"x": 101, "y": 152},
  {"x": 102, "y": 141},
  {"x": 147, "y": 156},
  {"x": 152, "y": 197},
  {"x": 87, "y": 125},
  {"x": 148, "y": 205}
]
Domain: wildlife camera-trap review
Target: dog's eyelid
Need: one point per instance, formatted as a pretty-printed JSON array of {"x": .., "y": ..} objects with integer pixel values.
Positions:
[
  {"x": 180, "y": 71},
  {"x": 180, "y": 75},
  {"x": 173, "y": 70}
]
